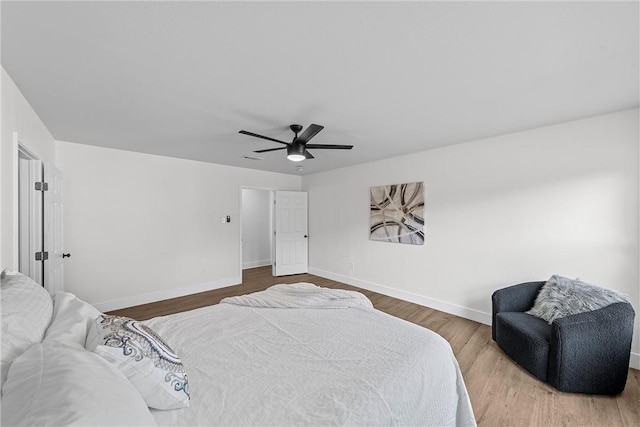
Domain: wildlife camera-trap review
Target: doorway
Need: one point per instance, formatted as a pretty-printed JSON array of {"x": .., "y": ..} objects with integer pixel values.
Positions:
[
  {"x": 29, "y": 216},
  {"x": 38, "y": 219},
  {"x": 257, "y": 227},
  {"x": 274, "y": 230}
]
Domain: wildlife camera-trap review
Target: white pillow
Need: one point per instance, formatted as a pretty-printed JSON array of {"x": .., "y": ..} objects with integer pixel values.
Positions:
[
  {"x": 26, "y": 313},
  {"x": 149, "y": 363},
  {"x": 61, "y": 385},
  {"x": 72, "y": 319}
]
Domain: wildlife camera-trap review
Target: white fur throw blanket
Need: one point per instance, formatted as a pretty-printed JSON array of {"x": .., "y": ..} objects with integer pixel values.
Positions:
[{"x": 301, "y": 295}]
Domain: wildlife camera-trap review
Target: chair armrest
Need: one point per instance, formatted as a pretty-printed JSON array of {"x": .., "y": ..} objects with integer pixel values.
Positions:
[
  {"x": 589, "y": 352},
  {"x": 517, "y": 298}
]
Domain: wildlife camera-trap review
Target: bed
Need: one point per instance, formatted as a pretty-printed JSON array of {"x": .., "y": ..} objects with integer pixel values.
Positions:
[{"x": 290, "y": 355}]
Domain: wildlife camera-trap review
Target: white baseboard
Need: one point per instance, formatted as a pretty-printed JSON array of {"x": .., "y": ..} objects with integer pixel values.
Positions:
[
  {"x": 435, "y": 304},
  {"x": 635, "y": 361},
  {"x": 254, "y": 264},
  {"x": 134, "y": 300},
  {"x": 457, "y": 310},
  {"x": 467, "y": 313}
]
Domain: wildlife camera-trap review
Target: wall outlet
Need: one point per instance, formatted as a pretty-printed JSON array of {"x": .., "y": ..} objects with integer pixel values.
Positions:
[{"x": 351, "y": 266}]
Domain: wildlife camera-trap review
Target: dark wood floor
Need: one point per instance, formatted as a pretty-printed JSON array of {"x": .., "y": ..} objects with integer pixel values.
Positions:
[{"x": 502, "y": 394}]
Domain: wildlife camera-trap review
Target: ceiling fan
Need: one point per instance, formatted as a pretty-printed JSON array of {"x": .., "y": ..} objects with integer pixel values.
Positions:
[{"x": 297, "y": 149}]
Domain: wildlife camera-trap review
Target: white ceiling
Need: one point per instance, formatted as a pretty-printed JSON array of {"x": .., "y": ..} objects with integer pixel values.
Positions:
[{"x": 182, "y": 78}]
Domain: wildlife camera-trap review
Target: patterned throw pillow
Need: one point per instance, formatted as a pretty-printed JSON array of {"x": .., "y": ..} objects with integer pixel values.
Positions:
[{"x": 145, "y": 359}]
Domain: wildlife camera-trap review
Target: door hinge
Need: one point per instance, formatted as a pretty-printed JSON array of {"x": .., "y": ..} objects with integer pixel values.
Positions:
[
  {"x": 42, "y": 186},
  {"x": 42, "y": 256}
]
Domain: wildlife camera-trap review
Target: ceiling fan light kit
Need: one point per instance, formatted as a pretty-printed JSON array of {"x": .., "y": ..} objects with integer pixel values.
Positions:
[
  {"x": 296, "y": 152},
  {"x": 297, "y": 149}
]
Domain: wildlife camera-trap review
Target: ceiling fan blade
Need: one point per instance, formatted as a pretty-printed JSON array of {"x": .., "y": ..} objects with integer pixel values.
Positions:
[
  {"x": 270, "y": 149},
  {"x": 329, "y": 146},
  {"x": 263, "y": 137},
  {"x": 308, "y": 155},
  {"x": 309, "y": 133}
]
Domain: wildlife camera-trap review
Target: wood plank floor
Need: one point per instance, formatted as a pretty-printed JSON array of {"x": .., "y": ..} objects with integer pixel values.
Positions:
[{"x": 502, "y": 394}]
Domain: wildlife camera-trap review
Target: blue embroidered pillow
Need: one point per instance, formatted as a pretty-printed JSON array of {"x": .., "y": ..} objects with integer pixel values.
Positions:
[{"x": 144, "y": 358}]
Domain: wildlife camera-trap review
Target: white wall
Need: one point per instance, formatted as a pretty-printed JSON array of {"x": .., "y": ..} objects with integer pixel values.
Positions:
[
  {"x": 560, "y": 199},
  {"x": 256, "y": 228},
  {"x": 17, "y": 116},
  {"x": 141, "y": 227}
]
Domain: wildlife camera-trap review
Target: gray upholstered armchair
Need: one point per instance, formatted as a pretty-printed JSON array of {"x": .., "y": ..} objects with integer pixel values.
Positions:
[{"x": 581, "y": 353}]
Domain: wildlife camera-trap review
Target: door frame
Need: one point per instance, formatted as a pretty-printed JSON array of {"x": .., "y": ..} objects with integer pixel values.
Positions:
[
  {"x": 248, "y": 187},
  {"x": 21, "y": 150}
]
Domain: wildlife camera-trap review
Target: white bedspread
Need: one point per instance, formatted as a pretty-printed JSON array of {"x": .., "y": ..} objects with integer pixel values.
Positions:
[{"x": 312, "y": 366}]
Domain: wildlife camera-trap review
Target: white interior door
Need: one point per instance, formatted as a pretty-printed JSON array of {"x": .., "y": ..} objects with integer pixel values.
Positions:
[
  {"x": 291, "y": 233},
  {"x": 53, "y": 229}
]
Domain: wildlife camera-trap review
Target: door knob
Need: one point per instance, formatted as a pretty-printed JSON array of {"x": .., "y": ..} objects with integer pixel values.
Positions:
[
  {"x": 66, "y": 255},
  {"x": 305, "y": 236}
]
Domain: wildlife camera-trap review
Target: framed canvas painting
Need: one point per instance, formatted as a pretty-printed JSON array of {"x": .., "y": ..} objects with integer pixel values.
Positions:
[{"x": 397, "y": 213}]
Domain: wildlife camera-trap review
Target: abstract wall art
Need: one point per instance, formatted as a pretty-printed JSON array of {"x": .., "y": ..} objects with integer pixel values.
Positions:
[{"x": 397, "y": 213}]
